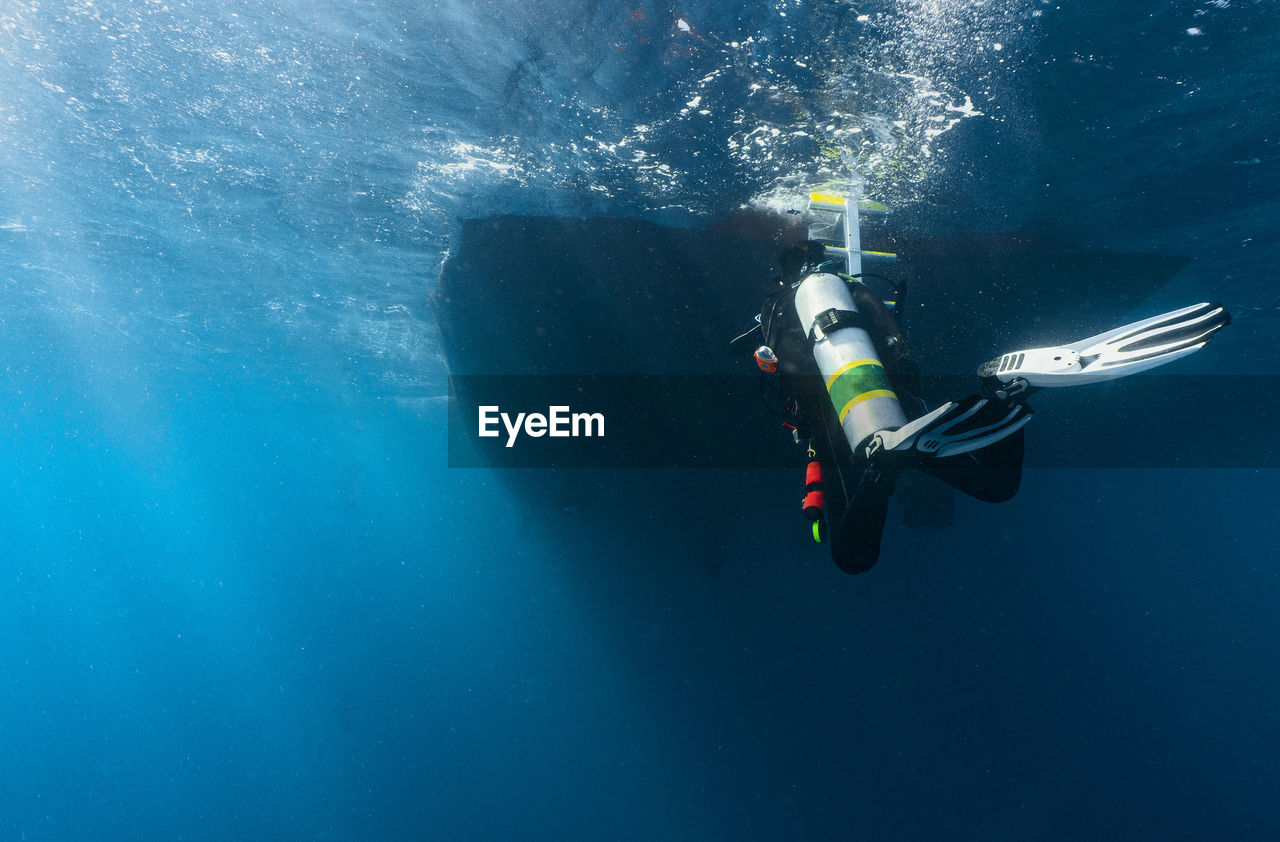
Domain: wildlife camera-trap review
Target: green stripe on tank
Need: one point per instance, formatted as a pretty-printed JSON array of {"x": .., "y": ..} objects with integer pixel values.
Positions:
[{"x": 858, "y": 381}]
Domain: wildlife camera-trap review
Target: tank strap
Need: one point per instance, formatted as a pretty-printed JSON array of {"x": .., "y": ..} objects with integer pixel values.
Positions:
[{"x": 829, "y": 321}]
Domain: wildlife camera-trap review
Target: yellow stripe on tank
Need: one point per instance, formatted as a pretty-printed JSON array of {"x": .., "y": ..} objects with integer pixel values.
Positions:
[{"x": 865, "y": 396}]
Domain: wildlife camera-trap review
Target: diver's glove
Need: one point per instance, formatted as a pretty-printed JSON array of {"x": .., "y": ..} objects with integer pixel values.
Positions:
[
  {"x": 952, "y": 429},
  {"x": 1117, "y": 353}
]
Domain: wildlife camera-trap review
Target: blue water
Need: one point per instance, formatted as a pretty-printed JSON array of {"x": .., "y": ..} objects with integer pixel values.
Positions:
[{"x": 246, "y": 599}]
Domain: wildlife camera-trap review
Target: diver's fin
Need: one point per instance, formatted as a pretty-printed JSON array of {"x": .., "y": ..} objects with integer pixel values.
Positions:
[
  {"x": 1117, "y": 353},
  {"x": 952, "y": 429}
]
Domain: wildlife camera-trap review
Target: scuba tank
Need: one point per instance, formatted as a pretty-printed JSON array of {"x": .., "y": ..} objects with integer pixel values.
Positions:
[{"x": 846, "y": 356}]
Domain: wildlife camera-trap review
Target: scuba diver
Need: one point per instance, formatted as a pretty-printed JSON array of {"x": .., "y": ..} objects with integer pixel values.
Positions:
[{"x": 849, "y": 390}]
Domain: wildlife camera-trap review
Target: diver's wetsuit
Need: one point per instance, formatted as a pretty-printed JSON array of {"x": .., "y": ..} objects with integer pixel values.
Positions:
[
  {"x": 858, "y": 489},
  {"x": 974, "y": 444}
]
